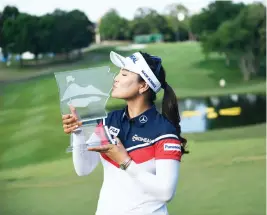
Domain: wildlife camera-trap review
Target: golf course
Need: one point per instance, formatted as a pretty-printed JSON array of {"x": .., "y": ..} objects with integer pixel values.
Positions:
[{"x": 225, "y": 172}]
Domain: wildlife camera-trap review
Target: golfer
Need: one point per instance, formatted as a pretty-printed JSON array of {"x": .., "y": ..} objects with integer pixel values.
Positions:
[{"x": 141, "y": 170}]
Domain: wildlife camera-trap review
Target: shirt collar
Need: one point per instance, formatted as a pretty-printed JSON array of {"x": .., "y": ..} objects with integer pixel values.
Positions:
[{"x": 141, "y": 119}]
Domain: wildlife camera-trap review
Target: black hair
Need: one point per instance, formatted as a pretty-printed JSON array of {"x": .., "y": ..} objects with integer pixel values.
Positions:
[{"x": 170, "y": 108}]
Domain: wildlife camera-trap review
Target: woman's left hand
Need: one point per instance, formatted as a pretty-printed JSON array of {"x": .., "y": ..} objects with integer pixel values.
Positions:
[{"x": 115, "y": 152}]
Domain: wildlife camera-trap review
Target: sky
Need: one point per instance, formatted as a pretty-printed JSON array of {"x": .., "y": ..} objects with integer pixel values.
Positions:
[{"x": 96, "y": 9}]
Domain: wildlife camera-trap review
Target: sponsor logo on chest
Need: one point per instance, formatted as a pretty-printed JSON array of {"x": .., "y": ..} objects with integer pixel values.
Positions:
[{"x": 141, "y": 139}]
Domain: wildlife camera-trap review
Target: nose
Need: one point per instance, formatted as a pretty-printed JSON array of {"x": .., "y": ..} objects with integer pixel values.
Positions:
[{"x": 116, "y": 79}]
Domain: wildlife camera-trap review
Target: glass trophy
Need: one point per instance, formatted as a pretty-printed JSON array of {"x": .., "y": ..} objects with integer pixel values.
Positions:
[{"x": 87, "y": 90}]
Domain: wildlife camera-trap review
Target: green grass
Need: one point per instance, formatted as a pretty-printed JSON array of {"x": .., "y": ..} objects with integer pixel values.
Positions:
[
  {"x": 188, "y": 72},
  {"x": 30, "y": 114},
  {"x": 91, "y": 58},
  {"x": 224, "y": 174}
]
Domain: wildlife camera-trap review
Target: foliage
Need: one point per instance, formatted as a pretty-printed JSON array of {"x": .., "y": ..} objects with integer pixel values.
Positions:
[{"x": 58, "y": 32}]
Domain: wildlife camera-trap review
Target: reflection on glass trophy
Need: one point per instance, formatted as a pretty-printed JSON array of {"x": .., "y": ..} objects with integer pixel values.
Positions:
[{"x": 88, "y": 91}]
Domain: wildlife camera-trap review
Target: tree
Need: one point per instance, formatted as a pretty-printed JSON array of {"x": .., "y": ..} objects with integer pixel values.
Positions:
[
  {"x": 67, "y": 31},
  {"x": 81, "y": 32},
  {"x": 9, "y": 12},
  {"x": 174, "y": 9},
  {"x": 59, "y": 32},
  {"x": 34, "y": 36},
  {"x": 46, "y": 35},
  {"x": 180, "y": 27},
  {"x": 114, "y": 27},
  {"x": 17, "y": 38},
  {"x": 213, "y": 16},
  {"x": 147, "y": 21},
  {"x": 242, "y": 38}
]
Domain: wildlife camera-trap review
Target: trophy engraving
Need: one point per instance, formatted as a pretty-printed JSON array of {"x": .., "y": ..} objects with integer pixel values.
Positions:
[{"x": 87, "y": 90}]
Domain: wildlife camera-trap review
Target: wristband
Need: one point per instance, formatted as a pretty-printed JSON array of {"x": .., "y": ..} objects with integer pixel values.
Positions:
[{"x": 125, "y": 164}]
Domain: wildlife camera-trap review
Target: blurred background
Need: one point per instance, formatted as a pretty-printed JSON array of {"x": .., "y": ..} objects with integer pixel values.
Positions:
[{"x": 214, "y": 53}]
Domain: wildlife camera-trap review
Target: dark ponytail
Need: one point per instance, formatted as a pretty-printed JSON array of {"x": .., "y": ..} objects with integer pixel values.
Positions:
[{"x": 170, "y": 108}]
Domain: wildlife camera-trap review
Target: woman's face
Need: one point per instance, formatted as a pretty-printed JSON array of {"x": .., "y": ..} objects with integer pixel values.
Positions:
[{"x": 125, "y": 85}]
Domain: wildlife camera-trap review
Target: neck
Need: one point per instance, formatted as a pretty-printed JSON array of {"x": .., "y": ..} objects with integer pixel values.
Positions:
[{"x": 135, "y": 108}]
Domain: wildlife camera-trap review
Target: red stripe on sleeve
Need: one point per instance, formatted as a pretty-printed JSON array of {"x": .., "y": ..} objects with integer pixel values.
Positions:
[
  {"x": 143, "y": 154},
  {"x": 169, "y": 148}
]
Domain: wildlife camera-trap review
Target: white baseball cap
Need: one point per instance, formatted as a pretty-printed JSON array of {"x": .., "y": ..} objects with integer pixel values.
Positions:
[{"x": 137, "y": 64}]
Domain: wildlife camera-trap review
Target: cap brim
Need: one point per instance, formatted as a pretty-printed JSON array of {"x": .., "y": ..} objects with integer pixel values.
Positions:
[
  {"x": 117, "y": 59},
  {"x": 123, "y": 62},
  {"x": 137, "y": 64}
]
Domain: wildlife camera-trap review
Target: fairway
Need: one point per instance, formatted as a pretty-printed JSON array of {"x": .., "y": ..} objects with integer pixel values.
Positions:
[
  {"x": 30, "y": 114},
  {"x": 188, "y": 71},
  {"x": 224, "y": 174}
]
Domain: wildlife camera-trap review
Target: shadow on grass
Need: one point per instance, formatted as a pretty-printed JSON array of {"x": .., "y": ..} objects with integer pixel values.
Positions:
[
  {"x": 9, "y": 180},
  {"x": 218, "y": 69}
]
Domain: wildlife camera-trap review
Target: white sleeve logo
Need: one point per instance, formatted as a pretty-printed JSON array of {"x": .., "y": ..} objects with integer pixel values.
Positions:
[
  {"x": 172, "y": 147},
  {"x": 114, "y": 131}
]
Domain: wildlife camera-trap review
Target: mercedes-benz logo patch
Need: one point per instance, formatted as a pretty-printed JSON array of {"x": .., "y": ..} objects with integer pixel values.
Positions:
[{"x": 143, "y": 119}]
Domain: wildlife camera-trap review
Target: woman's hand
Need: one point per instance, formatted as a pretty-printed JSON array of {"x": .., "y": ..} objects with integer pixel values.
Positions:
[
  {"x": 115, "y": 152},
  {"x": 70, "y": 121}
]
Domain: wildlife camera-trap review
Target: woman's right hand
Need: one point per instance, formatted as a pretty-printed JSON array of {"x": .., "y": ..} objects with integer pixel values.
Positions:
[{"x": 70, "y": 121}]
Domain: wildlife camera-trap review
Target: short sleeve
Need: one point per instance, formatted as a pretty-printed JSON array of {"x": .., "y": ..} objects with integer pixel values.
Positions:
[{"x": 168, "y": 146}]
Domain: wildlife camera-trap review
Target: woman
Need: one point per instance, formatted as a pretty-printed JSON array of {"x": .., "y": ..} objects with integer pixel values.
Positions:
[{"x": 140, "y": 171}]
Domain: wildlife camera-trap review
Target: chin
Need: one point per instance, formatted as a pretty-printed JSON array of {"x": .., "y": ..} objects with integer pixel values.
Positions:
[
  {"x": 116, "y": 95},
  {"x": 122, "y": 94}
]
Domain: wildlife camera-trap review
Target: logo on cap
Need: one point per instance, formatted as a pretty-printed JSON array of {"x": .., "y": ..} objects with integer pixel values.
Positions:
[
  {"x": 149, "y": 79},
  {"x": 134, "y": 58},
  {"x": 143, "y": 119}
]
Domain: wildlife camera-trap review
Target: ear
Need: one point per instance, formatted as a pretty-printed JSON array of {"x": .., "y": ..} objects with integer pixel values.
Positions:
[{"x": 143, "y": 87}]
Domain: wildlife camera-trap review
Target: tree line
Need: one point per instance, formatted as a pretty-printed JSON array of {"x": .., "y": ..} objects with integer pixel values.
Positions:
[
  {"x": 59, "y": 32},
  {"x": 235, "y": 30},
  {"x": 146, "y": 21}
]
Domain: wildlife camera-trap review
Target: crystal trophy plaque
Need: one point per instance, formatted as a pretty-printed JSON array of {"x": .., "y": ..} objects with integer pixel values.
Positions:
[{"x": 88, "y": 91}]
